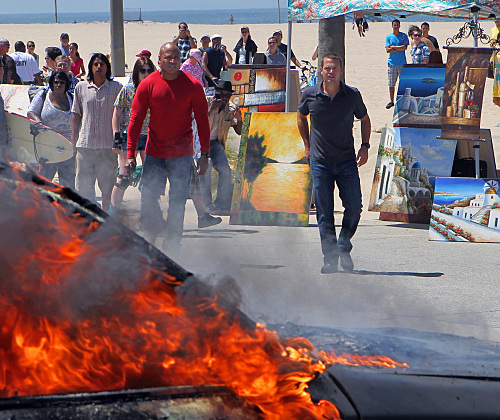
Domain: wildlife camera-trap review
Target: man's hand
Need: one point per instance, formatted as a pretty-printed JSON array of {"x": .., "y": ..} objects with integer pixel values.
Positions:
[
  {"x": 307, "y": 153},
  {"x": 202, "y": 165},
  {"x": 362, "y": 157},
  {"x": 188, "y": 33},
  {"x": 237, "y": 113},
  {"x": 216, "y": 103},
  {"x": 131, "y": 162}
]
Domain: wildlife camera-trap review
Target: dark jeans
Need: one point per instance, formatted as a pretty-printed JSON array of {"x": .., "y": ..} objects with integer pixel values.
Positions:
[
  {"x": 66, "y": 171},
  {"x": 224, "y": 184},
  {"x": 155, "y": 172},
  {"x": 345, "y": 175}
]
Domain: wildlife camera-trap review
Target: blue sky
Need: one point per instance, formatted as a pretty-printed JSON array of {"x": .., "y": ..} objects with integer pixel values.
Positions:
[
  {"x": 66, "y": 6},
  {"x": 466, "y": 187}
]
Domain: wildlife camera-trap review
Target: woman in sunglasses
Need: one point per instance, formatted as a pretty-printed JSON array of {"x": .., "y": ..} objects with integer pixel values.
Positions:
[
  {"x": 52, "y": 107},
  {"x": 245, "y": 48},
  {"x": 30, "y": 45},
  {"x": 143, "y": 67}
]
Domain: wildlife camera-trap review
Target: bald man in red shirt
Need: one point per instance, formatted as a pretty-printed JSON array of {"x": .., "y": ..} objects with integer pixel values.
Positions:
[{"x": 172, "y": 96}]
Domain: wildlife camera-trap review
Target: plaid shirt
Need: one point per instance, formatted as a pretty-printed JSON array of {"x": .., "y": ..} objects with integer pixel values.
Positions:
[
  {"x": 419, "y": 53},
  {"x": 185, "y": 45}
]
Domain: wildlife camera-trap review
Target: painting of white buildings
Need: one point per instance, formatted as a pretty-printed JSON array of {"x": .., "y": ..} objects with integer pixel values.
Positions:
[
  {"x": 466, "y": 209},
  {"x": 408, "y": 161}
]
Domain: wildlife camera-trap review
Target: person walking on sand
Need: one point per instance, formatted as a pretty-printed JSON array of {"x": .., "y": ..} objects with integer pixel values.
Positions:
[
  {"x": 172, "y": 96},
  {"x": 358, "y": 18},
  {"x": 329, "y": 149},
  {"x": 395, "y": 45}
]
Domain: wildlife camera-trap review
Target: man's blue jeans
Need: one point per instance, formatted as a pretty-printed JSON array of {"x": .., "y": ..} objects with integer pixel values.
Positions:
[
  {"x": 224, "y": 185},
  {"x": 155, "y": 172},
  {"x": 345, "y": 175}
]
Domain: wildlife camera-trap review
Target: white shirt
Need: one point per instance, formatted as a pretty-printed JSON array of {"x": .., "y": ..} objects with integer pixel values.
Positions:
[{"x": 26, "y": 66}]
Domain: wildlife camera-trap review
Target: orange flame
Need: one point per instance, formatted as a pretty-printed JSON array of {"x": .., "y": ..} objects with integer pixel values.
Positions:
[{"x": 79, "y": 311}]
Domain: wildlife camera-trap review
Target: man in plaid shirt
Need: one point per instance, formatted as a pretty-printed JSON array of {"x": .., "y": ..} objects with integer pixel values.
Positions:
[
  {"x": 184, "y": 41},
  {"x": 419, "y": 51}
]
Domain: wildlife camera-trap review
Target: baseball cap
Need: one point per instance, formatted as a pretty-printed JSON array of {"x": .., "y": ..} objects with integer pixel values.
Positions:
[
  {"x": 278, "y": 31},
  {"x": 214, "y": 36},
  {"x": 144, "y": 52},
  {"x": 64, "y": 35},
  {"x": 205, "y": 36}
]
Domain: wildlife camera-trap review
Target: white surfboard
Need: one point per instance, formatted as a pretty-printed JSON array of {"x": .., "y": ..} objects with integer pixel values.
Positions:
[{"x": 47, "y": 147}]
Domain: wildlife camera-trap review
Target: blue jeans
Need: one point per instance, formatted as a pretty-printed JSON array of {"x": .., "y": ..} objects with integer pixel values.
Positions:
[
  {"x": 155, "y": 172},
  {"x": 224, "y": 185},
  {"x": 345, "y": 175}
]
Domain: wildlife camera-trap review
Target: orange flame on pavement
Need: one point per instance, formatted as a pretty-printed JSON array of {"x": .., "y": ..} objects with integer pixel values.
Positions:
[{"x": 79, "y": 311}]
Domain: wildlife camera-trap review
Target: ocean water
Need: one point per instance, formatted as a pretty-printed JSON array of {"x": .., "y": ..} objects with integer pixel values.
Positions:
[{"x": 207, "y": 17}]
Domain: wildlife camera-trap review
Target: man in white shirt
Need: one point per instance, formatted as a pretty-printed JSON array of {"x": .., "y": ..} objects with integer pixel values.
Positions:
[{"x": 26, "y": 65}]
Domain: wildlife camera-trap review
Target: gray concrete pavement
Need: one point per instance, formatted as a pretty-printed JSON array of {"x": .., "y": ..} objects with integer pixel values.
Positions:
[{"x": 401, "y": 278}]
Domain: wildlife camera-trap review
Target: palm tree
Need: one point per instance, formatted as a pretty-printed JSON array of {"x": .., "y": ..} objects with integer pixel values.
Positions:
[{"x": 331, "y": 37}]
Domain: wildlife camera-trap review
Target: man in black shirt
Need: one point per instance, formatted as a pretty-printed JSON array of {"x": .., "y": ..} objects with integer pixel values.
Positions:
[
  {"x": 214, "y": 60},
  {"x": 283, "y": 48},
  {"x": 425, "y": 32},
  {"x": 329, "y": 148},
  {"x": 10, "y": 75}
]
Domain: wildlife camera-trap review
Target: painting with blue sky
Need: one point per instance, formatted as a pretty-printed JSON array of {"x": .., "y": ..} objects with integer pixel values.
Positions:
[
  {"x": 422, "y": 81},
  {"x": 449, "y": 190},
  {"x": 434, "y": 154}
]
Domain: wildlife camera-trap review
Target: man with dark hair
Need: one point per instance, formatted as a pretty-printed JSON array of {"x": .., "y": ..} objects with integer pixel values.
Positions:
[
  {"x": 283, "y": 48},
  {"x": 10, "y": 75},
  {"x": 395, "y": 45},
  {"x": 172, "y": 97},
  {"x": 419, "y": 50},
  {"x": 214, "y": 60},
  {"x": 91, "y": 131},
  {"x": 425, "y": 32},
  {"x": 184, "y": 41},
  {"x": 26, "y": 65},
  {"x": 273, "y": 55},
  {"x": 222, "y": 115},
  {"x": 329, "y": 149}
]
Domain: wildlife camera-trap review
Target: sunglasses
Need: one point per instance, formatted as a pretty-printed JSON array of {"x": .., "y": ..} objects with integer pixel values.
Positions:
[
  {"x": 226, "y": 95},
  {"x": 244, "y": 32},
  {"x": 31, "y": 46},
  {"x": 183, "y": 28},
  {"x": 417, "y": 35},
  {"x": 144, "y": 71},
  {"x": 272, "y": 42}
]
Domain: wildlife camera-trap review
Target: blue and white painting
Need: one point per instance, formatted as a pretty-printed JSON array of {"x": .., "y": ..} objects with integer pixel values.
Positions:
[
  {"x": 408, "y": 162},
  {"x": 420, "y": 97},
  {"x": 465, "y": 210}
]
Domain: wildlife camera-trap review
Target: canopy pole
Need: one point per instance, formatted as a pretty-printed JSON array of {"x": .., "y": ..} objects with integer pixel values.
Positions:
[
  {"x": 475, "y": 16},
  {"x": 288, "y": 75}
]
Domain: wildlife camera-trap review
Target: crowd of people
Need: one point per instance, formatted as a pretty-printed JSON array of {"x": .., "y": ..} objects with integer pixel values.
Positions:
[{"x": 177, "y": 119}]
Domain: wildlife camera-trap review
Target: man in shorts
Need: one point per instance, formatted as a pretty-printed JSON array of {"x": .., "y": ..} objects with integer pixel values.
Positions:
[{"x": 395, "y": 45}]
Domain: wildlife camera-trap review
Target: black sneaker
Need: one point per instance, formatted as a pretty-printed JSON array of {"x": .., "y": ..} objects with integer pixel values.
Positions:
[
  {"x": 390, "y": 105},
  {"x": 219, "y": 212},
  {"x": 207, "y": 220},
  {"x": 346, "y": 261},
  {"x": 329, "y": 268}
]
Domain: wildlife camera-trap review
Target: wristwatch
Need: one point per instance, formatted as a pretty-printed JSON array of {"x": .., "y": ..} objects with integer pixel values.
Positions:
[{"x": 367, "y": 145}]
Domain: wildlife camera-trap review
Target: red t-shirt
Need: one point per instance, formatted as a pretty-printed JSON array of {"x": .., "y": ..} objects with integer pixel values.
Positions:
[{"x": 171, "y": 103}]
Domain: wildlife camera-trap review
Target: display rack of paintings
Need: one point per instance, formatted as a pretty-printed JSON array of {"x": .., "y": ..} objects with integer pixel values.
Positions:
[{"x": 273, "y": 183}]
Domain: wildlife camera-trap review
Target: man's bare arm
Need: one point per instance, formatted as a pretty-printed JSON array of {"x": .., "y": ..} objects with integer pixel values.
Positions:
[
  {"x": 303, "y": 127},
  {"x": 76, "y": 121}
]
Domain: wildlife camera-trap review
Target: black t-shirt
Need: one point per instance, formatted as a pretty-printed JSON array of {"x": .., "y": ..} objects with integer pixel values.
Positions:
[
  {"x": 215, "y": 61},
  {"x": 434, "y": 41},
  {"x": 284, "y": 49},
  {"x": 332, "y": 120}
]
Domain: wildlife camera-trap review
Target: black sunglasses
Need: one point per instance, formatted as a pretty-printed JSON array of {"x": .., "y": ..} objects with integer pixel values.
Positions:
[{"x": 144, "y": 71}]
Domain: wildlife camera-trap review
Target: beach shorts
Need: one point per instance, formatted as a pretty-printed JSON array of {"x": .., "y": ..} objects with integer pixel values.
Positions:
[
  {"x": 141, "y": 144},
  {"x": 393, "y": 73},
  {"x": 359, "y": 22}
]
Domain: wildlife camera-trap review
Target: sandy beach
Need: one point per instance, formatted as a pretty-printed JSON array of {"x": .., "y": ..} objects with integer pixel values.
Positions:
[{"x": 366, "y": 59}]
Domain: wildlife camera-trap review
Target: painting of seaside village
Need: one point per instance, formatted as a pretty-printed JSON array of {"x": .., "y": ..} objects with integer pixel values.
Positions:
[
  {"x": 272, "y": 183},
  {"x": 408, "y": 162},
  {"x": 420, "y": 97},
  {"x": 465, "y": 210}
]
